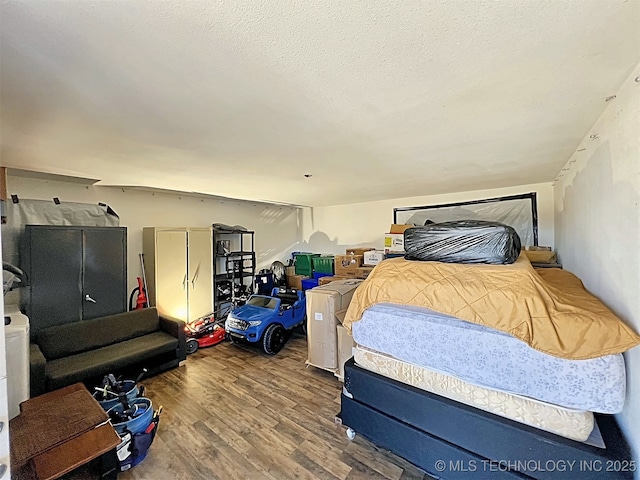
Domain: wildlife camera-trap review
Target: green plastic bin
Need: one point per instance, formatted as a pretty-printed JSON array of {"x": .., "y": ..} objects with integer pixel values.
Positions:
[
  {"x": 323, "y": 264},
  {"x": 304, "y": 263}
]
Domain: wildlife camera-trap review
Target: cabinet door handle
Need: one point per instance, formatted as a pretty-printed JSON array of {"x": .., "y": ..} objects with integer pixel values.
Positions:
[
  {"x": 184, "y": 282},
  {"x": 87, "y": 298},
  {"x": 195, "y": 276}
]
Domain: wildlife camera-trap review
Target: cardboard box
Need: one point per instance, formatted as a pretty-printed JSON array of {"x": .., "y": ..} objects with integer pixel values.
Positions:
[
  {"x": 325, "y": 280},
  {"x": 345, "y": 350},
  {"x": 400, "y": 228},
  {"x": 363, "y": 272},
  {"x": 295, "y": 281},
  {"x": 326, "y": 306},
  {"x": 358, "y": 251},
  {"x": 345, "y": 265},
  {"x": 290, "y": 270},
  {"x": 541, "y": 256},
  {"x": 394, "y": 243},
  {"x": 372, "y": 258},
  {"x": 351, "y": 275}
]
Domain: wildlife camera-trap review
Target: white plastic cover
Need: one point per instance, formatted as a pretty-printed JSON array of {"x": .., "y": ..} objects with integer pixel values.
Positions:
[
  {"x": 46, "y": 212},
  {"x": 516, "y": 213}
]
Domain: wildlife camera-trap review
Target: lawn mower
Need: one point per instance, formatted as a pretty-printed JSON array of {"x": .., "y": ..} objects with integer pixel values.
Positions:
[{"x": 204, "y": 332}]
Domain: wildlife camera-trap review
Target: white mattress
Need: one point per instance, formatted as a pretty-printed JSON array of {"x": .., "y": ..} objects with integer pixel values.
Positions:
[
  {"x": 489, "y": 358},
  {"x": 573, "y": 424}
]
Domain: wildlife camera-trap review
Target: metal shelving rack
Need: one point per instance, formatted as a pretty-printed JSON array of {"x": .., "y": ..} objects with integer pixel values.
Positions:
[{"x": 234, "y": 267}]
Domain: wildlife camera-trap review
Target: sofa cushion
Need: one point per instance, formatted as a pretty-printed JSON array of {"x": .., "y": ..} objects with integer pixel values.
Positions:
[
  {"x": 79, "y": 367},
  {"x": 72, "y": 338}
]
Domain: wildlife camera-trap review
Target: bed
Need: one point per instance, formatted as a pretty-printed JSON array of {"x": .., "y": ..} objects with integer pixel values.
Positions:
[
  {"x": 451, "y": 440},
  {"x": 487, "y": 364},
  {"x": 574, "y": 424},
  {"x": 490, "y": 358}
]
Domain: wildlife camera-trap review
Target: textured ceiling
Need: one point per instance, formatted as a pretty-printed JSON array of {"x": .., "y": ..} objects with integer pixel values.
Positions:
[{"x": 377, "y": 100}]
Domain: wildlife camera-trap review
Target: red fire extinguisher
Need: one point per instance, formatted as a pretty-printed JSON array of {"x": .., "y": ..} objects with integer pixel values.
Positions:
[{"x": 141, "y": 301}]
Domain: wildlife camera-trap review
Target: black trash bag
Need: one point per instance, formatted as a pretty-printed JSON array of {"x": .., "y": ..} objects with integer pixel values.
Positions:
[{"x": 463, "y": 241}]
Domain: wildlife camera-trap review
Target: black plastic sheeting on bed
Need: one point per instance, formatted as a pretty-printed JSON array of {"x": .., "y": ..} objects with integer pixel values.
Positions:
[{"x": 463, "y": 241}]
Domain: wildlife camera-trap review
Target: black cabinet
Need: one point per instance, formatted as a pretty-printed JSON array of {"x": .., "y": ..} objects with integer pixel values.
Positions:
[
  {"x": 234, "y": 268},
  {"x": 75, "y": 273}
]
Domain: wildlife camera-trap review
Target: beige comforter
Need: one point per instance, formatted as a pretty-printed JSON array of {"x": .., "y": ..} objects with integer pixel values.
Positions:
[{"x": 549, "y": 309}]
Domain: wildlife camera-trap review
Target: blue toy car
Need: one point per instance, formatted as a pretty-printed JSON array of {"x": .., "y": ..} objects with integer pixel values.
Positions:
[{"x": 268, "y": 319}]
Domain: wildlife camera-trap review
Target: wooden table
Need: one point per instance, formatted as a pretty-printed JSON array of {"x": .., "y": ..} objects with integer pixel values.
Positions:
[{"x": 60, "y": 431}]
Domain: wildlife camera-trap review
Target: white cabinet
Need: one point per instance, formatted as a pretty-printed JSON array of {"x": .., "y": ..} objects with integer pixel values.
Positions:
[
  {"x": 5, "y": 472},
  {"x": 16, "y": 341},
  {"x": 4, "y": 431},
  {"x": 178, "y": 265}
]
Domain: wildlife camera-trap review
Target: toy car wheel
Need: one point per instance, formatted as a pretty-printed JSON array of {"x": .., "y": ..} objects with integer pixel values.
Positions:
[
  {"x": 274, "y": 339},
  {"x": 301, "y": 329},
  {"x": 192, "y": 346}
]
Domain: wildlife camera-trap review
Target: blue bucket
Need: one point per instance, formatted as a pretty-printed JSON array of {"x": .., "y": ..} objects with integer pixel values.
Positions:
[
  {"x": 112, "y": 399},
  {"x": 140, "y": 419}
]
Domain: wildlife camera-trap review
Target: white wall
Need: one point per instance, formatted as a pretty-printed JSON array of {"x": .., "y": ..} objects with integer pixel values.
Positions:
[
  {"x": 276, "y": 226},
  {"x": 279, "y": 229},
  {"x": 598, "y": 225},
  {"x": 333, "y": 229}
]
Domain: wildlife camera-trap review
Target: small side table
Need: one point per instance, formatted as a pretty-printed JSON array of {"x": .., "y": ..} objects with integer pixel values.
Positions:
[{"x": 60, "y": 431}]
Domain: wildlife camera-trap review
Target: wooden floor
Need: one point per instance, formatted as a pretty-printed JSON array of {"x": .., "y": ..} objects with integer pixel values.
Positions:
[{"x": 235, "y": 413}]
